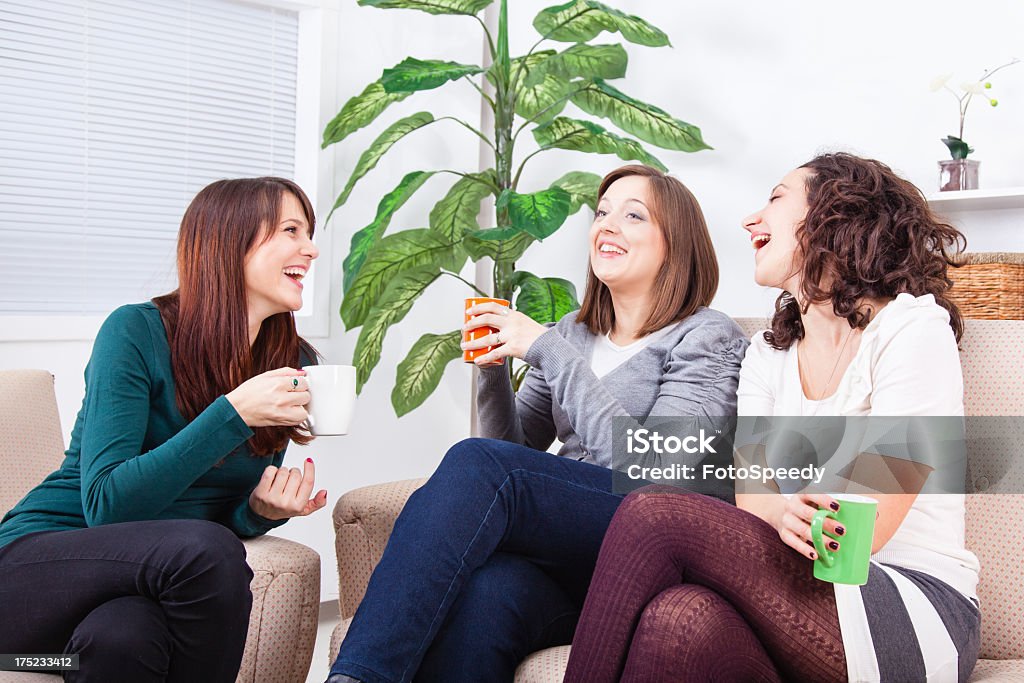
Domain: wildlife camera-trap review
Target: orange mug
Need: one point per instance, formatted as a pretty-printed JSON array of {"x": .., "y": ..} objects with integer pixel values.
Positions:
[{"x": 470, "y": 355}]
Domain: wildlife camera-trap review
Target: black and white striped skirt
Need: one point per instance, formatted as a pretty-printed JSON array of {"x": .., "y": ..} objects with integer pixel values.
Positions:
[{"x": 905, "y": 626}]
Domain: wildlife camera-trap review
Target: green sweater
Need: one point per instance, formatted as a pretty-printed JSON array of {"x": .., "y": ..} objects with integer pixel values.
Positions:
[{"x": 132, "y": 454}]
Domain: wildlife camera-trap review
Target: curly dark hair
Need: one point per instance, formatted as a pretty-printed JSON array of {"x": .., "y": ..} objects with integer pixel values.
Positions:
[{"x": 868, "y": 234}]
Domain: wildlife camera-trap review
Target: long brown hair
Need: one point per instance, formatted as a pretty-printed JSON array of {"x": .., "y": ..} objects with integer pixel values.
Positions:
[
  {"x": 688, "y": 278},
  {"x": 868, "y": 234},
  {"x": 207, "y": 316}
]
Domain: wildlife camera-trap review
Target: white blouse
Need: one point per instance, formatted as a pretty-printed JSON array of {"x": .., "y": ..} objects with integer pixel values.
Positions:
[{"x": 907, "y": 364}]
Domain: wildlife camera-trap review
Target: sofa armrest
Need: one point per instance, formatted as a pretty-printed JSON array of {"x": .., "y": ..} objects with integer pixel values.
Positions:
[
  {"x": 285, "y": 609},
  {"x": 363, "y": 520}
]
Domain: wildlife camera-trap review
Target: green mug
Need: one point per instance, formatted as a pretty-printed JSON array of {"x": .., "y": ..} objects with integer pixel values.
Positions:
[{"x": 850, "y": 563}]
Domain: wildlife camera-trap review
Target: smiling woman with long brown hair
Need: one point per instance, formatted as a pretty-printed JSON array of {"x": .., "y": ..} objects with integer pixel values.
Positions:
[
  {"x": 490, "y": 559},
  {"x": 128, "y": 555}
]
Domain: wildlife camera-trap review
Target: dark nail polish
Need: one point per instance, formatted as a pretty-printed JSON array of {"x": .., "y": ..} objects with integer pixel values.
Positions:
[
  {"x": 834, "y": 506},
  {"x": 840, "y": 530},
  {"x": 814, "y": 556},
  {"x": 833, "y": 545}
]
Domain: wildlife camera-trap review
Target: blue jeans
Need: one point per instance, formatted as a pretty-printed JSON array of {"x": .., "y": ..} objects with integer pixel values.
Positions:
[{"x": 489, "y": 561}]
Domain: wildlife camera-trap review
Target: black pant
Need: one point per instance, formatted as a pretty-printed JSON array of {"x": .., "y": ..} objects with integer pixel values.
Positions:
[{"x": 138, "y": 601}]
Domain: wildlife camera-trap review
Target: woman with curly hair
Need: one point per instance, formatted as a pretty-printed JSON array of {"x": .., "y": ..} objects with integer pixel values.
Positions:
[{"x": 688, "y": 588}]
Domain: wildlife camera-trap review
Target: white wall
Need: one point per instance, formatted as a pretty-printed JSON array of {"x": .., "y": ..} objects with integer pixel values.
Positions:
[{"x": 770, "y": 84}]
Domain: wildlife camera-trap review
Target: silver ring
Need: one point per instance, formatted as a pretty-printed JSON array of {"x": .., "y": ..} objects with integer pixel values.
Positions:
[
  {"x": 295, "y": 383},
  {"x": 497, "y": 337}
]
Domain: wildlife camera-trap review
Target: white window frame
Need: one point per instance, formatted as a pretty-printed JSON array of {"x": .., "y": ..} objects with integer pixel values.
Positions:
[{"x": 314, "y": 172}]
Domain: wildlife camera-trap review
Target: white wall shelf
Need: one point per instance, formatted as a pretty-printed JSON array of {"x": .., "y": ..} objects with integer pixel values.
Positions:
[{"x": 978, "y": 200}]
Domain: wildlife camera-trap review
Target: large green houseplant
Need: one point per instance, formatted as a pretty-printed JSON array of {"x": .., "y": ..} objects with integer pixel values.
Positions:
[{"x": 384, "y": 275}]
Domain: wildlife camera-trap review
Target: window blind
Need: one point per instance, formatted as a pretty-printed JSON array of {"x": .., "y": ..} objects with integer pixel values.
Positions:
[{"x": 113, "y": 114}]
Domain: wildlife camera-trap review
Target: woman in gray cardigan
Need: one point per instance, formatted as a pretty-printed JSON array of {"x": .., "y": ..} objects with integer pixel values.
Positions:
[{"x": 491, "y": 559}]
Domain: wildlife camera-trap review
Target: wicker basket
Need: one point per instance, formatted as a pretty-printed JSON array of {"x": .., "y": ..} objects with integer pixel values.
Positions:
[{"x": 989, "y": 286}]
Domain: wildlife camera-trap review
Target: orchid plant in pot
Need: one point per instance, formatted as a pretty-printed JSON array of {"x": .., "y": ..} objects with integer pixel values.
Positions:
[
  {"x": 387, "y": 272},
  {"x": 961, "y": 173}
]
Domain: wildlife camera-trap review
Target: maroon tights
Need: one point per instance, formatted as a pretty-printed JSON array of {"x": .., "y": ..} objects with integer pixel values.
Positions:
[{"x": 688, "y": 588}]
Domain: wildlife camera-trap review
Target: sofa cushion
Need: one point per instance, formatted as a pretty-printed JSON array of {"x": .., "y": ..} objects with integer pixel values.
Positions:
[
  {"x": 998, "y": 671},
  {"x": 544, "y": 666}
]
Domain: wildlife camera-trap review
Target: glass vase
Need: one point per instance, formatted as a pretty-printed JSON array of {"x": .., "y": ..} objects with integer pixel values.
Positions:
[{"x": 958, "y": 174}]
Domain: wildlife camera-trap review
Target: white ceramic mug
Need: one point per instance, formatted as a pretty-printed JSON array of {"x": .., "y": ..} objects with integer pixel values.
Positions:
[{"x": 332, "y": 398}]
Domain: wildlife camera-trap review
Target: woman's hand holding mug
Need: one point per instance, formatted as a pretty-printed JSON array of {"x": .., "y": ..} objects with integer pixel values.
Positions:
[
  {"x": 284, "y": 493},
  {"x": 514, "y": 332},
  {"x": 275, "y": 398},
  {"x": 794, "y": 524}
]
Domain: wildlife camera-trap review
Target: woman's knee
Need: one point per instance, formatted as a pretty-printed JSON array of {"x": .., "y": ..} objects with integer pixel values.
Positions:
[
  {"x": 477, "y": 460},
  {"x": 695, "y": 634},
  {"x": 205, "y": 538},
  {"x": 687, "y": 614},
  {"x": 467, "y": 453},
  {"x": 210, "y": 552},
  {"x": 123, "y": 639}
]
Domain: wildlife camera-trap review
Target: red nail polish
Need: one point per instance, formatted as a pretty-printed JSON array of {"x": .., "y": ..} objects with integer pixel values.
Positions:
[{"x": 309, "y": 459}]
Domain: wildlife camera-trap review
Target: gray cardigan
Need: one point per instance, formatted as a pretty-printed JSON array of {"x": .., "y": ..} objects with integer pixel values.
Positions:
[{"x": 691, "y": 371}]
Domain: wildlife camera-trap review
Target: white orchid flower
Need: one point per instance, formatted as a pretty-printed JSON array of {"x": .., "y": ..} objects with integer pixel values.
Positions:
[{"x": 939, "y": 81}]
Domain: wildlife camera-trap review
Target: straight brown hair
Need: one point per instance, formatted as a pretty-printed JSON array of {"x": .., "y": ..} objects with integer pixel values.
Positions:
[
  {"x": 206, "y": 318},
  {"x": 688, "y": 278}
]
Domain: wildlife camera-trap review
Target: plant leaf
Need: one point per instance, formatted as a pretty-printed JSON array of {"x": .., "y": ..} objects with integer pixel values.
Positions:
[
  {"x": 532, "y": 68},
  {"x": 498, "y": 234},
  {"x": 546, "y": 99},
  {"x": 504, "y": 245},
  {"x": 538, "y": 87},
  {"x": 586, "y": 136},
  {"x": 578, "y": 21},
  {"x": 582, "y": 61},
  {"x": 457, "y": 212},
  {"x": 359, "y": 111},
  {"x": 647, "y": 122},
  {"x": 419, "y": 374},
  {"x": 539, "y": 213},
  {"x": 392, "y": 305},
  {"x": 391, "y": 256},
  {"x": 957, "y": 147},
  {"x": 582, "y": 187},
  {"x": 411, "y": 74},
  {"x": 466, "y": 7},
  {"x": 366, "y": 238},
  {"x": 395, "y": 132},
  {"x": 547, "y": 299}
]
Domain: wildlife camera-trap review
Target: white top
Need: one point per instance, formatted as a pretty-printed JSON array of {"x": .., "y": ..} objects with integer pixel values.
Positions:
[
  {"x": 907, "y": 364},
  {"x": 608, "y": 355}
]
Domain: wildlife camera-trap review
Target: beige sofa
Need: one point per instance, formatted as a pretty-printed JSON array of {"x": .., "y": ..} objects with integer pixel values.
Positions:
[
  {"x": 286, "y": 575},
  {"x": 993, "y": 366}
]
